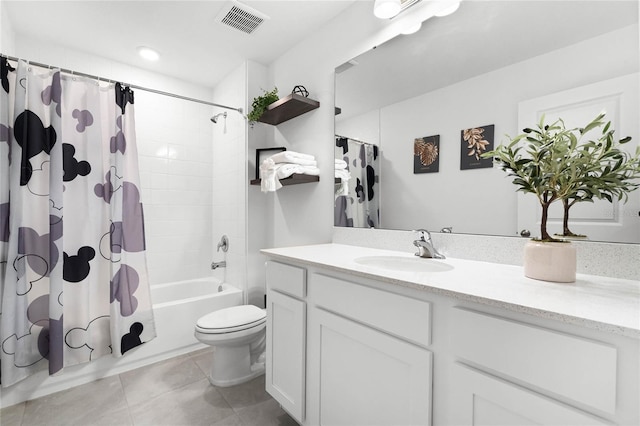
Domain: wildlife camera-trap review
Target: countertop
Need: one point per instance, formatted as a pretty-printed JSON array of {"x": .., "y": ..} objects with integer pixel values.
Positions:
[{"x": 607, "y": 304}]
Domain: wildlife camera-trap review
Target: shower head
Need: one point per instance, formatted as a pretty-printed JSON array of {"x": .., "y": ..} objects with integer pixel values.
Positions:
[{"x": 215, "y": 117}]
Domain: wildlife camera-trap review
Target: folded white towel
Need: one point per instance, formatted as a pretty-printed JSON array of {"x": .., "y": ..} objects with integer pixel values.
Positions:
[
  {"x": 294, "y": 157},
  {"x": 343, "y": 174},
  {"x": 340, "y": 164},
  {"x": 271, "y": 173},
  {"x": 342, "y": 188},
  {"x": 300, "y": 155},
  {"x": 284, "y": 170}
]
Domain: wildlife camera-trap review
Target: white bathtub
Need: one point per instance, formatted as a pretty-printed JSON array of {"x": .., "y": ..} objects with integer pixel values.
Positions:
[{"x": 176, "y": 306}]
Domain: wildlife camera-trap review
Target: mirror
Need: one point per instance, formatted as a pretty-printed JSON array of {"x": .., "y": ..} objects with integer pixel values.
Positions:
[{"x": 475, "y": 69}]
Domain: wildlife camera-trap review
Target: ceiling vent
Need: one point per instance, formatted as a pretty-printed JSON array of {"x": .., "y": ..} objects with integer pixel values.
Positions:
[{"x": 241, "y": 17}]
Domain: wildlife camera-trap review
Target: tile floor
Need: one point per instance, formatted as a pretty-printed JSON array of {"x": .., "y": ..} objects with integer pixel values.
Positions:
[{"x": 172, "y": 392}]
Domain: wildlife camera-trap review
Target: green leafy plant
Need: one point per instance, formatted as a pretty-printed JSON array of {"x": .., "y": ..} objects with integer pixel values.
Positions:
[
  {"x": 558, "y": 167},
  {"x": 603, "y": 171},
  {"x": 260, "y": 104}
]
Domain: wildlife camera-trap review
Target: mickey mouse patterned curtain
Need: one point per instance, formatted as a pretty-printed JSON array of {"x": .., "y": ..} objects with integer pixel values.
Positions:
[
  {"x": 358, "y": 206},
  {"x": 73, "y": 277}
]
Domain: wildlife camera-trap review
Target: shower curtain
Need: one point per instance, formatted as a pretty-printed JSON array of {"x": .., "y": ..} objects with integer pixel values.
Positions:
[
  {"x": 357, "y": 201},
  {"x": 73, "y": 277}
]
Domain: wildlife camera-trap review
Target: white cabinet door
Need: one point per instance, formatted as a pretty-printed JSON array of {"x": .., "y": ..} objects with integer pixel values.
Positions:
[
  {"x": 285, "y": 363},
  {"x": 481, "y": 399},
  {"x": 365, "y": 376}
]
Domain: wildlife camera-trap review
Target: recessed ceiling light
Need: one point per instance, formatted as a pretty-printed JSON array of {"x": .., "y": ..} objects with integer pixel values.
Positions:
[{"x": 148, "y": 53}]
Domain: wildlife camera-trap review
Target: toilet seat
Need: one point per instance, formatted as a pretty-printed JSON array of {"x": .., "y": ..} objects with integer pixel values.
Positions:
[{"x": 230, "y": 320}]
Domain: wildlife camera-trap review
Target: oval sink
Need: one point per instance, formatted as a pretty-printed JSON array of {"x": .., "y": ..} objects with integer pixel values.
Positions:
[{"x": 407, "y": 264}]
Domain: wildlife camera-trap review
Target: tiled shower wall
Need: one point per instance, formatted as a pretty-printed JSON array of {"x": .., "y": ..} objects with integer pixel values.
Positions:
[
  {"x": 175, "y": 152},
  {"x": 228, "y": 216}
]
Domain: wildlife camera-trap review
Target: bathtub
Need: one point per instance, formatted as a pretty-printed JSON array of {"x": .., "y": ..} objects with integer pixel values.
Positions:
[{"x": 176, "y": 307}]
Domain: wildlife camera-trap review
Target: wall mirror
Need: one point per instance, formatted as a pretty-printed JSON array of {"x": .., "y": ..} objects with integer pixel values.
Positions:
[{"x": 493, "y": 67}]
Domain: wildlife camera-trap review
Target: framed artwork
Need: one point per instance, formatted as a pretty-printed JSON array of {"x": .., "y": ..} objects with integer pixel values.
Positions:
[
  {"x": 473, "y": 143},
  {"x": 426, "y": 154},
  {"x": 264, "y": 153}
]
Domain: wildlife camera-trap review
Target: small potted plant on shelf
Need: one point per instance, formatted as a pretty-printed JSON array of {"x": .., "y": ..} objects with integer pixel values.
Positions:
[
  {"x": 260, "y": 104},
  {"x": 557, "y": 167}
]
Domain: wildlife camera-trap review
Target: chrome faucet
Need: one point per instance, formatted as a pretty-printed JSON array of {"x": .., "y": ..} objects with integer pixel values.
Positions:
[
  {"x": 216, "y": 265},
  {"x": 425, "y": 245}
]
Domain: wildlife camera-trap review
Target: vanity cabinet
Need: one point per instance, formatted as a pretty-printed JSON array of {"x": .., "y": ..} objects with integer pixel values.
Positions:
[
  {"x": 482, "y": 399},
  {"x": 365, "y": 366},
  {"x": 510, "y": 372},
  {"x": 357, "y": 350},
  {"x": 286, "y": 337}
]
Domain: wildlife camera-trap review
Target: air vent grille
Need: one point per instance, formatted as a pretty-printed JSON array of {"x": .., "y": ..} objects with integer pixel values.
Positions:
[{"x": 241, "y": 17}]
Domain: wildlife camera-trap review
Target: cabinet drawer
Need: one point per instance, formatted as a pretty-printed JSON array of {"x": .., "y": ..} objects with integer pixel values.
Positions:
[
  {"x": 480, "y": 399},
  {"x": 287, "y": 279},
  {"x": 399, "y": 315},
  {"x": 576, "y": 368}
]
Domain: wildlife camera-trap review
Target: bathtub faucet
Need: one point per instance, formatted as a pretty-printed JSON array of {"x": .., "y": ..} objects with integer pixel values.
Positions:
[{"x": 216, "y": 265}]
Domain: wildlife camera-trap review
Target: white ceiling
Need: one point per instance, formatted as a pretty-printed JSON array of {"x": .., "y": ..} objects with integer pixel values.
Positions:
[{"x": 192, "y": 45}]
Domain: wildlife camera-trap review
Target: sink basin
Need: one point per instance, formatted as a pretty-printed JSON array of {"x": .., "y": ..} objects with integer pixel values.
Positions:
[{"x": 407, "y": 264}]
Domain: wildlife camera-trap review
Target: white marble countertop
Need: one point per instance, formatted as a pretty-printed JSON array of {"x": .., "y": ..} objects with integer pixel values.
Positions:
[{"x": 607, "y": 304}]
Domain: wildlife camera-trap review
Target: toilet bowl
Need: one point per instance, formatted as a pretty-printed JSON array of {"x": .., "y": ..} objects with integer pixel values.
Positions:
[{"x": 238, "y": 337}]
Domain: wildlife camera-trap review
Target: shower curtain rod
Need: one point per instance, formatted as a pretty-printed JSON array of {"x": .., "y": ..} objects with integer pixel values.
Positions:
[
  {"x": 356, "y": 140},
  {"x": 133, "y": 86}
]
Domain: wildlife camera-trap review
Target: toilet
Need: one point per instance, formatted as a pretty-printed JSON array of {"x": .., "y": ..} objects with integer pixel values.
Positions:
[{"x": 238, "y": 336}]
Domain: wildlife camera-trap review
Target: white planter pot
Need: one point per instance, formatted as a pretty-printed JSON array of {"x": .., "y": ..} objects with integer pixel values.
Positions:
[{"x": 550, "y": 261}]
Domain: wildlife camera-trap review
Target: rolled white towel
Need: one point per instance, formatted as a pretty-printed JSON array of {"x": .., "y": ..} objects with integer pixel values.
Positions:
[
  {"x": 294, "y": 157},
  {"x": 340, "y": 164}
]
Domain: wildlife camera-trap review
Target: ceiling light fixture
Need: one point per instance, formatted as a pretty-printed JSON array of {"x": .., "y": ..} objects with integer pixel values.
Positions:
[
  {"x": 449, "y": 9},
  {"x": 385, "y": 9},
  {"x": 148, "y": 53}
]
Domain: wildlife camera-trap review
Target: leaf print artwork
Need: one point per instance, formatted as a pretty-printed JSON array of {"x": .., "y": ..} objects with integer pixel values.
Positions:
[
  {"x": 426, "y": 152},
  {"x": 475, "y": 141}
]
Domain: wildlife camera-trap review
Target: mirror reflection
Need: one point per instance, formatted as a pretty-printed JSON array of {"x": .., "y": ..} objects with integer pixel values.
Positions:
[{"x": 412, "y": 114}]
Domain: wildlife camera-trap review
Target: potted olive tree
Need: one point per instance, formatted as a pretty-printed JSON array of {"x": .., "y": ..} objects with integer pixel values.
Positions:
[
  {"x": 550, "y": 162},
  {"x": 604, "y": 171}
]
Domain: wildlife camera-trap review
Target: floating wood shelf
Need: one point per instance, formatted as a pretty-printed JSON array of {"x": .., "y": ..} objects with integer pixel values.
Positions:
[
  {"x": 287, "y": 108},
  {"x": 294, "y": 179}
]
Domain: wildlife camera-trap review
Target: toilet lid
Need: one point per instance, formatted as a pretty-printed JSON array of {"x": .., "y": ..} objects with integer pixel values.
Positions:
[{"x": 236, "y": 317}]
